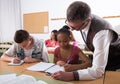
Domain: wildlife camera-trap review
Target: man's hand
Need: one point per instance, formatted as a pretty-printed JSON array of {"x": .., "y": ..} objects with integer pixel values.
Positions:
[{"x": 64, "y": 76}]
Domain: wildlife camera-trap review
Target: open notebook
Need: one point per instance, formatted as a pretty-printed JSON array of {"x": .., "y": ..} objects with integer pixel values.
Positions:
[{"x": 46, "y": 67}]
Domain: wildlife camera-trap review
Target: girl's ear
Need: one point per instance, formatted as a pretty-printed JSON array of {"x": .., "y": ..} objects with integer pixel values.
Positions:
[
  {"x": 30, "y": 38},
  {"x": 70, "y": 36}
]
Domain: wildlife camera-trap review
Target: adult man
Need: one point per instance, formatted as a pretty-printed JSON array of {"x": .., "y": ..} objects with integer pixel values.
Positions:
[
  {"x": 99, "y": 38},
  {"x": 26, "y": 48}
]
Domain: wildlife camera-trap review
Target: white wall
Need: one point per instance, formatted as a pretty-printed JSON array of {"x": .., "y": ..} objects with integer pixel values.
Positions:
[{"x": 57, "y": 9}]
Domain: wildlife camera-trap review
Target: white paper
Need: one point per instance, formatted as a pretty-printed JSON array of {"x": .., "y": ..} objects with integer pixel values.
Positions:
[
  {"x": 46, "y": 67},
  {"x": 54, "y": 69},
  {"x": 42, "y": 66},
  {"x": 23, "y": 79},
  {"x": 7, "y": 77},
  {"x": 16, "y": 64}
]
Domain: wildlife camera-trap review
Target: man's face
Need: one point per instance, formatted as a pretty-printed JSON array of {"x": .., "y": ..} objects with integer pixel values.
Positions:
[{"x": 77, "y": 25}]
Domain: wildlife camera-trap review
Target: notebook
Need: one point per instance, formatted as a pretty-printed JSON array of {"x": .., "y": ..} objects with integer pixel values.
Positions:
[
  {"x": 16, "y": 64},
  {"x": 46, "y": 67}
]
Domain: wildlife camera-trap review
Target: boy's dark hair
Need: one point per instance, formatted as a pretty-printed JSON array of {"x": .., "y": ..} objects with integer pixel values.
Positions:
[
  {"x": 20, "y": 36},
  {"x": 64, "y": 30},
  {"x": 55, "y": 33},
  {"x": 78, "y": 10}
]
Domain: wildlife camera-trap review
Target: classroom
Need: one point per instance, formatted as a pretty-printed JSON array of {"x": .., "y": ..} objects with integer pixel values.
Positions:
[{"x": 41, "y": 18}]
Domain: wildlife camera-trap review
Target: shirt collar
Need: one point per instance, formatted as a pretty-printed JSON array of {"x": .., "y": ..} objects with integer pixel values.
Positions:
[{"x": 85, "y": 30}]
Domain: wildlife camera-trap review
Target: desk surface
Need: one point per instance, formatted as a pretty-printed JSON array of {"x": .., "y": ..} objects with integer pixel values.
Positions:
[
  {"x": 110, "y": 76},
  {"x": 16, "y": 69},
  {"x": 42, "y": 74}
]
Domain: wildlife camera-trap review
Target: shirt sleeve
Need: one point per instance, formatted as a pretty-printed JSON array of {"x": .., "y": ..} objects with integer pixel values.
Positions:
[
  {"x": 45, "y": 54},
  {"x": 11, "y": 51},
  {"x": 101, "y": 44}
]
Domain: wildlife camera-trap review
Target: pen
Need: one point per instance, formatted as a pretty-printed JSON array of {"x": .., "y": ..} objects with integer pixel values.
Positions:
[
  {"x": 16, "y": 59},
  {"x": 48, "y": 73},
  {"x": 68, "y": 61}
]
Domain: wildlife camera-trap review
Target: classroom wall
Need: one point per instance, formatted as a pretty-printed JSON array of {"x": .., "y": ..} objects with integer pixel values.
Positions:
[{"x": 57, "y": 9}]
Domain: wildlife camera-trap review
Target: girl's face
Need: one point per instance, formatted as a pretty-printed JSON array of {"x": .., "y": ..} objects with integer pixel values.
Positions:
[
  {"x": 63, "y": 40},
  {"x": 52, "y": 35}
]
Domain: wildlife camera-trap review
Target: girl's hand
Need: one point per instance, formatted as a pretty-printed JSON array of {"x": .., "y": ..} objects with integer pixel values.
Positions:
[
  {"x": 68, "y": 67},
  {"x": 61, "y": 63}
]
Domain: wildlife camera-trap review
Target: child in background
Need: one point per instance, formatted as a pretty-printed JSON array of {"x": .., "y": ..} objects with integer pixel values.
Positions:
[
  {"x": 68, "y": 55},
  {"x": 52, "y": 42}
]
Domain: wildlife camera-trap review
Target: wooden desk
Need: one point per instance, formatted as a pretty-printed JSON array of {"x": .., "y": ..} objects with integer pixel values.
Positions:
[
  {"x": 42, "y": 76},
  {"x": 16, "y": 69},
  {"x": 52, "y": 81},
  {"x": 97, "y": 81},
  {"x": 112, "y": 77},
  {"x": 4, "y": 68}
]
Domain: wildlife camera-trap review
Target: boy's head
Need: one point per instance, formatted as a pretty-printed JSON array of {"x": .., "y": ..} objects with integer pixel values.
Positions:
[
  {"x": 20, "y": 36},
  {"x": 23, "y": 39}
]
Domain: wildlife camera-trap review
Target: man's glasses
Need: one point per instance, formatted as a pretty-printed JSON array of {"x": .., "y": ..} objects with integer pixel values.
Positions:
[{"x": 80, "y": 26}]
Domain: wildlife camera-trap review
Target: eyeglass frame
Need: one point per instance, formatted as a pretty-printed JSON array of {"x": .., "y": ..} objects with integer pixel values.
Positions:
[{"x": 82, "y": 24}]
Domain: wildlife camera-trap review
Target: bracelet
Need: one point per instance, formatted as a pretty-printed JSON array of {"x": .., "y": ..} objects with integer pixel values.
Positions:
[{"x": 76, "y": 76}]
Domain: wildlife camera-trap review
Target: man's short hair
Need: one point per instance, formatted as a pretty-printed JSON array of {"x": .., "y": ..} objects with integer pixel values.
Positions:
[{"x": 78, "y": 10}]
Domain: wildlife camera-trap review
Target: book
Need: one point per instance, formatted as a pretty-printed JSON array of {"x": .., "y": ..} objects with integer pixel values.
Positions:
[
  {"x": 22, "y": 79},
  {"x": 16, "y": 64},
  {"x": 46, "y": 67}
]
